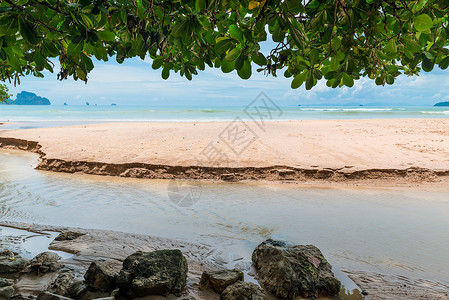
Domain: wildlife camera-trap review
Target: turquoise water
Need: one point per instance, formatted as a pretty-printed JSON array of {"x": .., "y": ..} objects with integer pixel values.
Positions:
[{"x": 89, "y": 114}]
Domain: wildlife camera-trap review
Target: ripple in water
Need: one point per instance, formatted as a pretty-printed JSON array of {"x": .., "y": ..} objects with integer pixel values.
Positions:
[{"x": 396, "y": 231}]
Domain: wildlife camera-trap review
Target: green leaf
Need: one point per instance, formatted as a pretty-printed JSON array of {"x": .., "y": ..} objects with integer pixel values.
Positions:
[
  {"x": 201, "y": 4},
  {"x": 390, "y": 79},
  {"x": 81, "y": 74},
  {"x": 380, "y": 80},
  {"x": 336, "y": 43},
  {"x": 391, "y": 46},
  {"x": 299, "y": 80},
  {"x": 297, "y": 37},
  {"x": 420, "y": 4},
  {"x": 236, "y": 33},
  {"x": 348, "y": 80},
  {"x": 140, "y": 10},
  {"x": 411, "y": 45},
  {"x": 165, "y": 73},
  {"x": 87, "y": 21},
  {"x": 334, "y": 63},
  {"x": 240, "y": 62},
  {"x": 105, "y": 35},
  {"x": 8, "y": 26},
  {"x": 227, "y": 66},
  {"x": 444, "y": 64},
  {"x": 27, "y": 31},
  {"x": 157, "y": 63},
  {"x": 245, "y": 71},
  {"x": 310, "y": 81},
  {"x": 223, "y": 45},
  {"x": 278, "y": 35},
  {"x": 422, "y": 22},
  {"x": 233, "y": 54},
  {"x": 427, "y": 64},
  {"x": 294, "y": 6},
  {"x": 259, "y": 59},
  {"x": 75, "y": 46}
]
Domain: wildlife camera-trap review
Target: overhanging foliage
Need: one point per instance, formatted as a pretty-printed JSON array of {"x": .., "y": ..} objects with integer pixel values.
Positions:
[{"x": 339, "y": 40}]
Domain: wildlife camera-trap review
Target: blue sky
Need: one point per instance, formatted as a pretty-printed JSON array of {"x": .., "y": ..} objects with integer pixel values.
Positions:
[{"x": 136, "y": 83}]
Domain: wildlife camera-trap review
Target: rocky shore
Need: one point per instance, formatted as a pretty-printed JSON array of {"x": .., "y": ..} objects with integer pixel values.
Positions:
[
  {"x": 115, "y": 265},
  {"x": 283, "y": 271}
]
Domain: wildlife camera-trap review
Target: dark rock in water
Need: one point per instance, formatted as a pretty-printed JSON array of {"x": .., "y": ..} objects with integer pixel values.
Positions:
[
  {"x": 291, "y": 271},
  {"x": 61, "y": 284},
  {"x": 68, "y": 236},
  {"x": 243, "y": 291},
  {"x": 100, "y": 278},
  {"x": 77, "y": 289},
  {"x": 44, "y": 262},
  {"x": 10, "y": 262},
  {"x": 6, "y": 292},
  {"x": 50, "y": 296},
  {"x": 219, "y": 280},
  {"x": 6, "y": 282},
  {"x": 153, "y": 273},
  {"x": 187, "y": 297}
]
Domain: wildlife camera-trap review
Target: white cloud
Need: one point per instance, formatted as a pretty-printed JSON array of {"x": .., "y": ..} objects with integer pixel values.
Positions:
[{"x": 135, "y": 82}]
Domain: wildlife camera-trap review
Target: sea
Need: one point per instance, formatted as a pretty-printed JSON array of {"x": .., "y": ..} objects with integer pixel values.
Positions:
[{"x": 44, "y": 116}]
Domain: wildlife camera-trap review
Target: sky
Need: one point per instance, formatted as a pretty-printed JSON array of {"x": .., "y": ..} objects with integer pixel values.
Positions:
[{"x": 135, "y": 83}]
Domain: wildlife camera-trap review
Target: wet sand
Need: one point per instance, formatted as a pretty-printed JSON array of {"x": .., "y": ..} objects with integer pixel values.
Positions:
[
  {"x": 111, "y": 248},
  {"x": 391, "y": 151}
]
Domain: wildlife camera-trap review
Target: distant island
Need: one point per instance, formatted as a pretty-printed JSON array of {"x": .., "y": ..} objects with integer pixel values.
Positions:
[
  {"x": 442, "y": 103},
  {"x": 27, "y": 98}
]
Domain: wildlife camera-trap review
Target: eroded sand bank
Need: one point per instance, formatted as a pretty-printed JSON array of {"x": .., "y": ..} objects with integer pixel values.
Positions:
[{"x": 402, "y": 151}]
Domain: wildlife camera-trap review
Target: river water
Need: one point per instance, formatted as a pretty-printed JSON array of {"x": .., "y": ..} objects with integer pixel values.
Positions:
[{"x": 397, "y": 231}]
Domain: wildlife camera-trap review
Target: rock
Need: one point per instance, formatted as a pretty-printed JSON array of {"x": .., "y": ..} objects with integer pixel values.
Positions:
[
  {"x": 22, "y": 297},
  {"x": 61, "y": 284},
  {"x": 153, "y": 273},
  {"x": 5, "y": 282},
  {"x": 100, "y": 278},
  {"x": 105, "y": 298},
  {"x": 219, "y": 280},
  {"x": 11, "y": 262},
  {"x": 44, "y": 262},
  {"x": 6, "y": 292},
  {"x": 115, "y": 292},
  {"x": 186, "y": 297},
  {"x": 68, "y": 236},
  {"x": 27, "y": 98},
  {"x": 50, "y": 296},
  {"x": 77, "y": 289},
  {"x": 291, "y": 271},
  {"x": 243, "y": 291}
]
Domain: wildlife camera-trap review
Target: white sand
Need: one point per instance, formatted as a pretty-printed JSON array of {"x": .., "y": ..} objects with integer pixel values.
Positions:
[{"x": 335, "y": 144}]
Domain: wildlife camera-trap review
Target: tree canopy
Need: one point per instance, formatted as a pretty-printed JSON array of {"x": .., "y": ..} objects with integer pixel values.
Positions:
[
  {"x": 340, "y": 41},
  {"x": 4, "y": 93}
]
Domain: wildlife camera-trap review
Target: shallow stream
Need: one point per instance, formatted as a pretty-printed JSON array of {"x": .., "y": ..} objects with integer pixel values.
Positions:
[{"x": 401, "y": 232}]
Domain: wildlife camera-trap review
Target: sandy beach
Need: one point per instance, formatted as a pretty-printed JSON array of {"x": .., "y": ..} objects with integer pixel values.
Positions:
[
  {"x": 345, "y": 152},
  {"x": 401, "y": 151}
]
